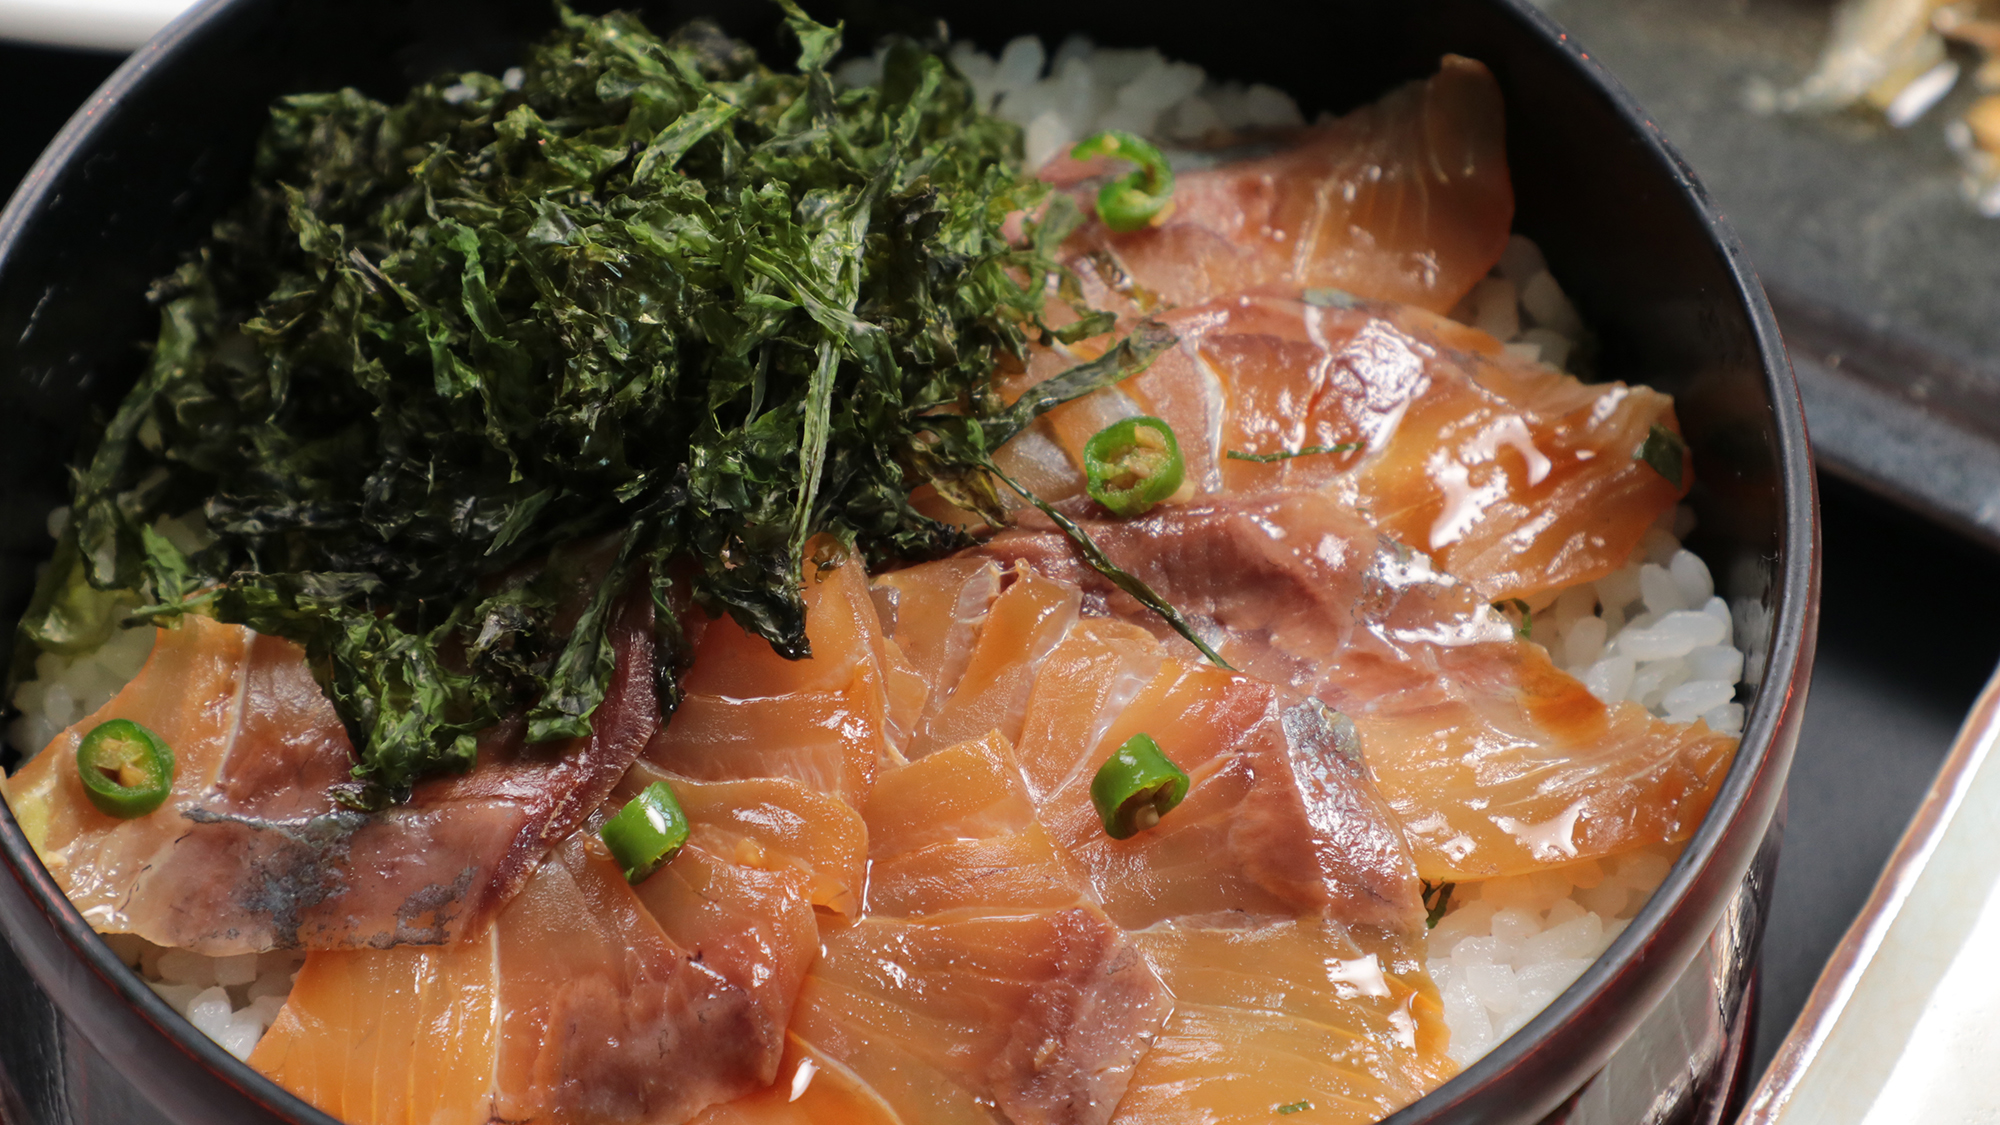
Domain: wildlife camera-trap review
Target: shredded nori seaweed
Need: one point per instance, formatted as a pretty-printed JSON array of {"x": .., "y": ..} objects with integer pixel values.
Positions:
[{"x": 462, "y": 369}]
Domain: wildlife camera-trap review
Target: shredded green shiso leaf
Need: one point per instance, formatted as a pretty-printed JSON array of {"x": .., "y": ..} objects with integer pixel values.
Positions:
[{"x": 462, "y": 369}]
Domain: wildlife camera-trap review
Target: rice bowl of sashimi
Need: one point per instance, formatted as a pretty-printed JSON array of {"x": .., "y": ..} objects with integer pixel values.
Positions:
[{"x": 640, "y": 568}]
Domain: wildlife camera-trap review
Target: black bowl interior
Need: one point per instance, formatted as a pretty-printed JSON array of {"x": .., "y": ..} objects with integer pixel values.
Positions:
[{"x": 131, "y": 186}]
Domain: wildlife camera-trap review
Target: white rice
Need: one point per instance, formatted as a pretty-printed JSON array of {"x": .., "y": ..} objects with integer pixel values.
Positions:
[
  {"x": 1081, "y": 89},
  {"x": 1506, "y": 947},
  {"x": 232, "y": 1000},
  {"x": 1653, "y": 632}
]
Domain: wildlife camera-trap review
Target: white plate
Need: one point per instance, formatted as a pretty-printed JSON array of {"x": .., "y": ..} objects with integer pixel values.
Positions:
[
  {"x": 1904, "y": 1025},
  {"x": 104, "y": 25}
]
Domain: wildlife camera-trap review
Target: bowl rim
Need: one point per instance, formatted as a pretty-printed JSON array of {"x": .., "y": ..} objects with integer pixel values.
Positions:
[
  {"x": 1770, "y": 727},
  {"x": 1771, "y": 724}
]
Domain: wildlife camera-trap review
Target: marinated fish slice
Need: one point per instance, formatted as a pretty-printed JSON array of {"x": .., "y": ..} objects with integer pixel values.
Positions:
[
  {"x": 731, "y": 661},
  {"x": 1087, "y": 681},
  {"x": 774, "y": 824},
  {"x": 1021, "y": 871},
  {"x": 1520, "y": 768},
  {"x": 190, "y": 692},
  {"x": 1493, "y": 761},
  {"x": 1510, "y": 475},
  {"x": 983, "y": 975},
  {"x": 251, "y": 852},
  {"x": 1273, "y": 823},
  {"x": 1018, "y": 630},
  {"x": 1040, "y": 1014},
  {"x": 934, "y": 611},
  {"x": 971, "y": 791},
  {"x": 1532, "y": 482},
  {"x": 1286, "y": 1017},
  {"x": 823, "y": 740},
  {"x": 560, "y": 1012},
  {"x": 748, "y": 712},
  {"x": 392, "y": 1037},
  {"x": 933, "y": 615},
  {"x": 905, "y": 694},
  {"x": 752, "y": 925},
  {"x": 594, "y": 994},
  {"x": 957, "y": 829},
  {"x": 1406, "y": 199},
  {"x": 740, "y": 896},
  {"x": 811, "y": 1090},
  {"x": 549, "y": 789}
]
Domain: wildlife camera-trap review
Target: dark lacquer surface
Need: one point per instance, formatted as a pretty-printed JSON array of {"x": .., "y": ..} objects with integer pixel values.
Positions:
[{"x": 1617, "y": 213}]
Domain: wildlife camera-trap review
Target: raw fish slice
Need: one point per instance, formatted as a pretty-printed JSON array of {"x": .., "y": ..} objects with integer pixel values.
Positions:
[
  {"x": 824, "y": 721},
  {"x": 1275, "y": 821},
  {"x": 1269, "y": 1015},
  {"x": 774, "y": 824},
  {"x": 1510, "y": 475},
  {"x": 1018, "y": 630},
  {"x": 983, "y": 976},
  {"x": 1407, "y": 199},
  {"x": 1494, "y": 761},
  {"x": 562, "y": 1012},
  {"x": 251, "y": 852}
]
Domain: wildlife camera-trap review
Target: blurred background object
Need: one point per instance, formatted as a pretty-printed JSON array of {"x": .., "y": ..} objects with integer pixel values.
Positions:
[{"x": 105, "y": 25}]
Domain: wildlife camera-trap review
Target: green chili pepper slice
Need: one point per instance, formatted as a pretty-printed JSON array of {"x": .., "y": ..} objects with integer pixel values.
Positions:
[
  {"x": 127, "y": 770},
  {"x": 1139, "y": 198},
  {"x": 1130, "y": 466},
  {"x": 1136, "y": 787},
  {"x": 647, "y": 833}
]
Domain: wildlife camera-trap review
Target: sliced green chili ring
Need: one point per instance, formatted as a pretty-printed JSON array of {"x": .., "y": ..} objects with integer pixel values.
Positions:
[
  {"x": 1664, "y": 450},
  {"x": 1139, "y": 198},
  {"x": 1130, "y": 466},
  {"x": 647, "y": 833},
  {"x": 1136, "y": 787},
  {"x": 1299, "y": 1106},
  {"x": 127, "y": 770}
]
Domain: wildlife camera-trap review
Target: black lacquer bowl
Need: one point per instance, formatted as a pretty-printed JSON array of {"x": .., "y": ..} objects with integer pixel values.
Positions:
[{"x": 132, "y": 183}]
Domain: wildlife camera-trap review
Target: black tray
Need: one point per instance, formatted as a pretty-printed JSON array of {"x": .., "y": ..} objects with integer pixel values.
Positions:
[{"x": 1883, "y": 278}]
